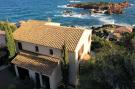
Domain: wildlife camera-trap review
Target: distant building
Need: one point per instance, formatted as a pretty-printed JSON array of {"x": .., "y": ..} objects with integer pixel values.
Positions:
[
  {"x": 39, "y": 46},
  {"x": 123, "y": 29},
  {"x": 2, "y": 39},
  {"x": 119, "y": 30}
]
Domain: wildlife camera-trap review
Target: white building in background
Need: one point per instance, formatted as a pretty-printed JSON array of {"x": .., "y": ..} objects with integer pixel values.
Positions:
[
  {"x": 2, "y": 39},
  {"x": 39, "y": 45}
]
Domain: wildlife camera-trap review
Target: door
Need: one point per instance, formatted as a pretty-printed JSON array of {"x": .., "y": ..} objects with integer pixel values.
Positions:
[
  {"x": 38, "y": 85},
  {"x": 23, "y": 73},
  {"x": 46, "y": 82}
]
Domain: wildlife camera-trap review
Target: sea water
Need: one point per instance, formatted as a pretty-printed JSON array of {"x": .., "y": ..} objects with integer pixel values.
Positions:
[{"x": 17, "y": 10}]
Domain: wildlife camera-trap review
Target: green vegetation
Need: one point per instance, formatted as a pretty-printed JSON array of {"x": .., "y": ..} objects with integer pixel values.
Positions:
[
  {"x": 3, "y": 24},
  {"x": 65, "y": 68},
  {"x": 103, "y": 31},
  {"x": 12, "y": 86},
  {"x": 127, "y": 41},
  {"x": 9, "y": 28},
  {"x": 113, "y": 65},
  {"x": 99, "y": 43},
  {"x": 10, "y": 41}
]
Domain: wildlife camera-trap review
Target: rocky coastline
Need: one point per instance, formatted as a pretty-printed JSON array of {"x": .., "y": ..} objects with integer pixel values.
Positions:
[{"x": 102, "y": 7}]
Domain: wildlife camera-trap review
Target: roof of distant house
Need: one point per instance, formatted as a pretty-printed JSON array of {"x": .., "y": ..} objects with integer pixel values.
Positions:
[
  {"x": 2, "y": 32},
  {"x": 42, "y": 64},
  {"x": 123, "y": 29},
  {"x": 43, "y": 33}
]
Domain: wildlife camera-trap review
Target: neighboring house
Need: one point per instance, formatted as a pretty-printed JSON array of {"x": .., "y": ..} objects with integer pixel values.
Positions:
[
  {"x": 39, "y": 45},
  {"x": 2, "y": 39},
  {"x": 3, "y": 50},
  {"x": 123, "y": 29},
  {"x": 119, "y": 30}
]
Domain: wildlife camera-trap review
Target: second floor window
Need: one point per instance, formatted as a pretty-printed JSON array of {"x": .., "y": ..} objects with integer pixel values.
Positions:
[
  {"x": 36, "y": 49},
  {"x": 51, "y": 51},
  {"x": 20, "y": 45}
]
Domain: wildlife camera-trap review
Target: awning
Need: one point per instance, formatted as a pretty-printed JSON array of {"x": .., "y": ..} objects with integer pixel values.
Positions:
[{"x": 44, "y": 65}]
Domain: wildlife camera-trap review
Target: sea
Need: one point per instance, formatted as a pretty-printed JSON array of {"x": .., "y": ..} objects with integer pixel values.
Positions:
[{"x": 17, "y": 10}]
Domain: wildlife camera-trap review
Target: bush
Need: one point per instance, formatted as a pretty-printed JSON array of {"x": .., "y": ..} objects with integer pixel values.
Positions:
[
  {"x": 98, "y": 43},
  {"x": 12, "y": 86},
  {"x": 113, "y": 68}
]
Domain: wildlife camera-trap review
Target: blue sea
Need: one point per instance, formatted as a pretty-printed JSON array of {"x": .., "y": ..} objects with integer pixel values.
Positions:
[{"x": 17, "y": 10}]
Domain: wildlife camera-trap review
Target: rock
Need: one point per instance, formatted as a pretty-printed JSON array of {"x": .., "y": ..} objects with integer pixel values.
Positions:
[{"x": 108, "y": 8}]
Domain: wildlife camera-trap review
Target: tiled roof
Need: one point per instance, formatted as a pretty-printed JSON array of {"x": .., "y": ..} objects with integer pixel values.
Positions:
[
  {"x": 47, "y": 35},
  {"x": 44, "y": 65}
]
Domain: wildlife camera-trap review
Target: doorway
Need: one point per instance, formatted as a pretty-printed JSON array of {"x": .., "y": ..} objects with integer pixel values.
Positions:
[
  {"x": 46, "y": 82},
  {"x": 38, "y": 85},
  {"x": 23, "y": 73}
]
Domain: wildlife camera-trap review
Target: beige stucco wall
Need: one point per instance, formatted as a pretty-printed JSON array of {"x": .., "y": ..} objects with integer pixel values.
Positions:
[
  {"x": 32, "y": 75},
  {"x": 2, "y": 40},
  {"x": 42, "y": 49},
  {"x": 84, "y": 40},
  {"x": 72, "y": 74},
  {"x": 55, "y": 78}
]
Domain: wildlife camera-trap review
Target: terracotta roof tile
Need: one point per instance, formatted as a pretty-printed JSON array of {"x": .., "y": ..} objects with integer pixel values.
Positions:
[
  {"x": 44, "y": 65},
  {"x": 47, "y": 35}
]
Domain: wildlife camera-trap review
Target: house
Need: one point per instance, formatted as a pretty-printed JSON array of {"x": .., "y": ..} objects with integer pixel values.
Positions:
[
  {"x": 3, "y": 50},
  {"x": 119, "y": 30},
  {"x": 2, "y": 39},
  {"x": 39, "y": 46},
  {"x": 123, "y": 29}
]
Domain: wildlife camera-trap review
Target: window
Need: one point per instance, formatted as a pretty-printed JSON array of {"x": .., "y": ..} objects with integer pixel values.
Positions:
[
  {"x": 20, "y": 45},
  {"x": 51, "y": 51},
  {"x": 46, "y": 81},
  {"x": 36, "y": 49}
]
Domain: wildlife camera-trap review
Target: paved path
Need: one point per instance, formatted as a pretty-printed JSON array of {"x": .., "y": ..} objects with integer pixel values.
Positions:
[
  {"x": 3, "y": 67},
  {"x": 7, "y": 78}
]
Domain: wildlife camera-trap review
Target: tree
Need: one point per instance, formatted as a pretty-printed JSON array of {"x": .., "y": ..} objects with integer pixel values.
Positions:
[
  {"x": 114, "y": 68},
  {"x": 12, "y": 26},
  {"x": 98, "y": 43},
  {"x": 65, "y": 66},
  {"x": 133, "y": 42},
  {"x": 126, "y": 41},
  {"x": 10, "y": 40}
]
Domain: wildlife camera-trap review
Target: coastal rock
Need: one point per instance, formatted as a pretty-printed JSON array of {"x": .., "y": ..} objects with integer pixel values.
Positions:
[{"x": 107, "y": 8}]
